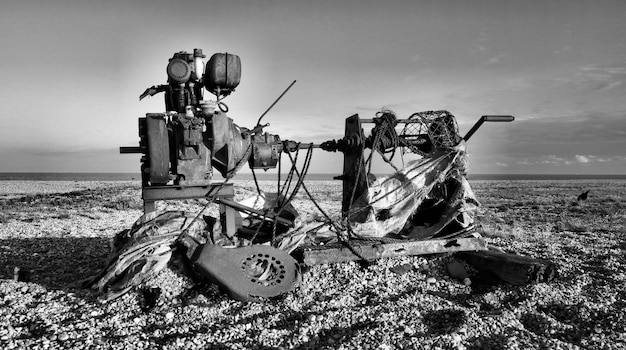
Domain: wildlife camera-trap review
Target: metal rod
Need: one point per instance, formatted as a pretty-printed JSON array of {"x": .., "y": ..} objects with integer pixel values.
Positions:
[
  {"x": 310, "y": 145},
  {"x": 498, "y": 118},
  {"x": 487, "y": 118},
  {"x": 254, "y": 212},
  {"x": 132, "y": 149},
  {"x": 399, "y": 121},
  {"x": 272, "y": 105}
]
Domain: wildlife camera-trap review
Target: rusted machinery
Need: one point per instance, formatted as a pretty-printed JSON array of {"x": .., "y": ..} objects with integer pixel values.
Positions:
[{"x": 183, "y": 147}]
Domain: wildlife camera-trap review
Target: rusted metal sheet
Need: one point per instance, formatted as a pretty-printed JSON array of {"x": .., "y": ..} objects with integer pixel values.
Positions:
[
  {"x": 247, "y": 273},
  {"x": 375, "y": 250},
  {"x": 514, "y": 269},
  {"x": 158, "y": 148}
]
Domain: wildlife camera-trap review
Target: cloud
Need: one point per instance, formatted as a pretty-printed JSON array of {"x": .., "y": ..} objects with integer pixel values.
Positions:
[
  {"x": 578, "y": 132},
  {"x": 603, "y": 71},
  {"x": 576, "y": 159},
  {"x": 502, "y": 164},
  {"x": 609, "y": 86},
  {"x": 549, "y": 159},
  {"x": 581, "y": 159},
  {"x": 496, "y": 59},
  {"x": 477, "y": 45},
  {"x": 597, "y": 76},
  {"x": 554, "y": 160},
  {"x": 563, "y": 49},
  {"x": 596, "y": 159},
  {"x": 479, "y": 48}
]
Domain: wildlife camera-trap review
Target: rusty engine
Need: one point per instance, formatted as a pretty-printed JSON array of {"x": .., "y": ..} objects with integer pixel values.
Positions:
[{"x": 183, "y": 145}]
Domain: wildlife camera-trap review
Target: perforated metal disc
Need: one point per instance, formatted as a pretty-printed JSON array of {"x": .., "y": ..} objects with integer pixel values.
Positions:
[{"x": 249, "y": 273}]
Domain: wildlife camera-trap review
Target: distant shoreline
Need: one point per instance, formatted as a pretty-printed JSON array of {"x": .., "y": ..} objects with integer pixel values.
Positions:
[{"x": 32, "y": 176}]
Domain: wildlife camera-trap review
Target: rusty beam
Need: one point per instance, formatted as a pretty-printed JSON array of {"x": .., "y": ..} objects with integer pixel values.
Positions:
[
  {"x": 373, "y": 250},
  {"x": 153, "y": 193}
]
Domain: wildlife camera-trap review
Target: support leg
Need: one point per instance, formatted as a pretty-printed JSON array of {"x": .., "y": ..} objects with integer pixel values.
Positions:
[
  {"x": 148, "y": 206},
  {"x": 227, "y": 216}
]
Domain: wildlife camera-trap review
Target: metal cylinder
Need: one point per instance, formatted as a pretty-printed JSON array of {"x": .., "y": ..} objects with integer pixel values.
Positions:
[{"x": 198, "y": 64}]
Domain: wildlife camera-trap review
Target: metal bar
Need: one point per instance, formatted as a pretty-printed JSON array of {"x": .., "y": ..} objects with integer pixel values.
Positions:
[
  {"x": 132, "y": 149},
  {"x": 498, "y": 118},
  {"x": 399, "y": 121},
  {"x": 272, "y": 105},
  {"x": 227, "y": 218},
  {"x": 372, "y": 250},
  {"x": 255, "y": 212},
  {"x": 309, "y": 145},
  {"x": 151, "y": 194},
  {"x": 487, "y": 118},
  {"x": 186, "y": 192},
  {"x": 148, "y": 206}
]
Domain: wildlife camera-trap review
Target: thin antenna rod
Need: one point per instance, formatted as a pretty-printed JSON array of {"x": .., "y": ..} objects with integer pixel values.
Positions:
[{"x": 278, "y": 99}]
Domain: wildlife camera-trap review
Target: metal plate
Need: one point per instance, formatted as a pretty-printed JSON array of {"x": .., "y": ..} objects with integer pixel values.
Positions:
[
  {"x": 158, "y": 149},
  {"x": 248, "y": 273}
]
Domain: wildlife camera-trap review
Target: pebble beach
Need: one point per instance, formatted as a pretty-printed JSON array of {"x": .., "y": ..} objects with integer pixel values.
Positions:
[{"x": 59, "y": 233}]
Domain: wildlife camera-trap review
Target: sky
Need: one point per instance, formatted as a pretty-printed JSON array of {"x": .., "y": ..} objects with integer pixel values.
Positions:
[{"x": 72, "y": 72}]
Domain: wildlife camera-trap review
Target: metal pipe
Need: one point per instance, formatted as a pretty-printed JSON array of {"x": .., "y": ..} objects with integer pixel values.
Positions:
[
  {"x": 132, "y": 149},
  {"x": 309, "y": 145},
  {"x": 399, "y": 121},
  {"x": 272, "y": 105},
  {"x": 487, "y": 118}
]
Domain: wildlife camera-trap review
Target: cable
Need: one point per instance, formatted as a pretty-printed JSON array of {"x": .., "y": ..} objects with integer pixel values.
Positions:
[
  {"x": 330, "y": 221},
  {"x": 256, "y": 182},
  {"x": 299, "y": 183}
]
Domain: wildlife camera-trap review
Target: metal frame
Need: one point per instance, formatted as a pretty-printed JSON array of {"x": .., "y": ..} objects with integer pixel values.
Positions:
[
  {"x": 151, "y": 194},
  {"x": 376, "y": 250}
]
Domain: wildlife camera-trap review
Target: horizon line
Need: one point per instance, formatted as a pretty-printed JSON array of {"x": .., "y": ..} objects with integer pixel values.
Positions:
[{"x": 323, "y": 173}]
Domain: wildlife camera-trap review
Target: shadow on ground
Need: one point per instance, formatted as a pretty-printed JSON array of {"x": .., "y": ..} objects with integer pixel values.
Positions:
[{"x": 54, "y": 263}]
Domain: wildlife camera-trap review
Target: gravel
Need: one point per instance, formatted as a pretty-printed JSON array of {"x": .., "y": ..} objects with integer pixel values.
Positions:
[{"x": 62, "y": 236}]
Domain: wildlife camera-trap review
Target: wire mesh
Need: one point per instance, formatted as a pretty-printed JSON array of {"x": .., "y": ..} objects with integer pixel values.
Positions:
[{"x": 439, "y": 127}]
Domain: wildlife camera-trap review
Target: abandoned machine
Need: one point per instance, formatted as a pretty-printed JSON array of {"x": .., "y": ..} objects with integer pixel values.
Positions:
[{"x": 256, "y": 247}]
